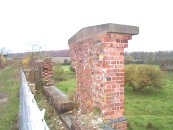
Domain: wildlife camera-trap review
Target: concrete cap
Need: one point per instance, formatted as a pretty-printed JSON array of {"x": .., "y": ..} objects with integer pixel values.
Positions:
[{"x": 88, "y": 32}]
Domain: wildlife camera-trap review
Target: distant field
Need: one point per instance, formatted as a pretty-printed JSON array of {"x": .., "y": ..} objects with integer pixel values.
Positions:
[
  {"x": 68, "y": 84},
  {"x": 9, "y": 85},
  {"x": 145, "y": 110},
  {"x": 60, "y": 60}
]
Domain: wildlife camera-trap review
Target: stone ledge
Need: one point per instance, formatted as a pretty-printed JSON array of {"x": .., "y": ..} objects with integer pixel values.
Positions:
[
  {"x": 116, "y": 120},
  {"x": 88, "y": 32},
  {"x": 78, "y": 125},
  {"x": 58, "y": 99}
]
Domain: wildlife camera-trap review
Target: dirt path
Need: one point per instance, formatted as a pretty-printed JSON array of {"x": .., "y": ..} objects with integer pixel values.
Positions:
[{"x": 3, "y": 98}]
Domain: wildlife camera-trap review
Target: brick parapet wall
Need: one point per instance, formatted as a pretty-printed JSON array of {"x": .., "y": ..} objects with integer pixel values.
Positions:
[
  {"x": 98, "y": 59},
  {"x": 99, "y": 64}
]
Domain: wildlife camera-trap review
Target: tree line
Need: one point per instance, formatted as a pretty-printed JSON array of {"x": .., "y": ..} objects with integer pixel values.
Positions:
[{"x": 159, "y": 57}]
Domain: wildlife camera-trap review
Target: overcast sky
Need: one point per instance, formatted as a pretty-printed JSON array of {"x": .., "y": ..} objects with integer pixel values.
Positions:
[{"x": 50, "y": 23}]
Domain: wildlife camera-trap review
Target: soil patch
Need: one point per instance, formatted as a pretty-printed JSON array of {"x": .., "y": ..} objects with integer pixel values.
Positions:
[{"x": 3, "y": 97}]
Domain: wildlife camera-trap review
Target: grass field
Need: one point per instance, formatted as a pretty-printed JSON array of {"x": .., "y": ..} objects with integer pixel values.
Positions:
[
  {"x": 68, "y": 84},
  {"x": 9, "y": 85},
  {"x": 145, "y": 110},
  {"x": 150, "y": 109}
]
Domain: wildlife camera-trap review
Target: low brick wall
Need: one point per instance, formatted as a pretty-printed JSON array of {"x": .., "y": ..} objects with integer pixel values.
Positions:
[
  {"x": 47, "y": 72},
  {"x": 42, "y": 70}
]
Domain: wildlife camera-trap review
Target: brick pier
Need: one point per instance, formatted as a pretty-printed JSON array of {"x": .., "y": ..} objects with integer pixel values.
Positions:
[{"x": 97, "y": 54}]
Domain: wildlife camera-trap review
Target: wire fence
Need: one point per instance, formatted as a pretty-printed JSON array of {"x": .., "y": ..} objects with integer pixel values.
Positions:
[{"x": 31, "y": 118}]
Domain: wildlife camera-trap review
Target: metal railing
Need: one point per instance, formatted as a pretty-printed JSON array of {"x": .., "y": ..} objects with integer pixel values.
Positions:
[{"x": 31, "y": 118}]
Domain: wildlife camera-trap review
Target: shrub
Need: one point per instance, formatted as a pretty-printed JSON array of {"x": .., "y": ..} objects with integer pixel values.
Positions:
[
  {"x": 96, "y": 111},
  {"x": 66, "y": 62},
  {"x": 72, "y": 69},
  {"x": 143, "y": 76}
]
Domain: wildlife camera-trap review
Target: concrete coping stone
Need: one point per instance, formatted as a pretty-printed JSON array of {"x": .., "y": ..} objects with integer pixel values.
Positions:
[
  {"x": 91, "y": 31},
  {"x": 59, "y": 92}
]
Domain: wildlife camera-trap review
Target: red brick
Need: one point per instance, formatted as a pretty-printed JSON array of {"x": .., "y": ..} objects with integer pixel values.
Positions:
[
  {"x": 108, "y": 113},
  {"x": 100, "y": 68},
  {"x": 118, "y": 40},
  {"x": 107, "y": 44},
  {"x": 119, "y": 74},
  {"x": 113, "y": 62},
  {"x": 108, "y": 58},
  {"x": 108, "y": 90},
  {"x": 121, "y": 107},
  {"x": 114, "y": 78},
  {"x": 128, "y": 37},
  {"x": 107, "y": 66},
  {"x": 108, "y": 86},
  {"x": 125, "y": 45},
  {"x": 106, "y": 39},
  {"x": 108, "y": 94},
  {"x": 107, "y": 62}
]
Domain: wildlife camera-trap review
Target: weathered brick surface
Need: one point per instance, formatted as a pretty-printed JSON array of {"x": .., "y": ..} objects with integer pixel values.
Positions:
[
  {"x": 99, "y": 63},
  {"x": 60, "y": 101},
  {"x": 47, "y": 72},
  {"x": 42, "y": 70},
  {"x": 35, "y": 74}
]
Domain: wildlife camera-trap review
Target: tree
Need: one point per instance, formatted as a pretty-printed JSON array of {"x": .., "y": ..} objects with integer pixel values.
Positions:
[
  {"x": 3, "y": 54},
  {"x": 34, "y": 54},
  {"x": 143, "y": 76},
  {"x": 128, "y": 59}
]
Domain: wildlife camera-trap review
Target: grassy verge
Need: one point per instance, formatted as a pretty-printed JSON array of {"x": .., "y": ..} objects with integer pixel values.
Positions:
[
  {"x": 52, "y": 119},
  {"x": 9, "y": 85}
]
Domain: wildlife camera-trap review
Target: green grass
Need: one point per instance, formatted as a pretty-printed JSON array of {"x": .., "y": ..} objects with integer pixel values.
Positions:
[
  {"x": 153, "y": 107},
  {"x": 68, "y": 83},
  {"x": 145, "y": 110},
  {"x": 9, "y": 84},
  {"x": 67, "y": 86},
  {"x": 66, "y": 68}
]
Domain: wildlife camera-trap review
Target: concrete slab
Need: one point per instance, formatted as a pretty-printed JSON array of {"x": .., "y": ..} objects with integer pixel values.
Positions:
[{"x": 104, "y": 28}]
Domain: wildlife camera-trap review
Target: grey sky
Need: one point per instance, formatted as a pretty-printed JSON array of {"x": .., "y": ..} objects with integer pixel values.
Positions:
[{"x": 50, "y": 23}]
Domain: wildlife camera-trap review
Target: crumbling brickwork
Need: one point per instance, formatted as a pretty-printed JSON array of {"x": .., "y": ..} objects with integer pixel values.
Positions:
[
  {"x": 47, "y": 72},
  {"x": 99, "y": 64},
  {"x": 97, "y": 54},
  {"x": 42, "y": 70}
]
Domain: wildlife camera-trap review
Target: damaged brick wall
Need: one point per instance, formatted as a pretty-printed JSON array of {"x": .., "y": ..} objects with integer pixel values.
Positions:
[
  {"x": 97, "y": 54},
  {"x": 42, "y": 70},
  {"x": 47, "y": 72}
]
